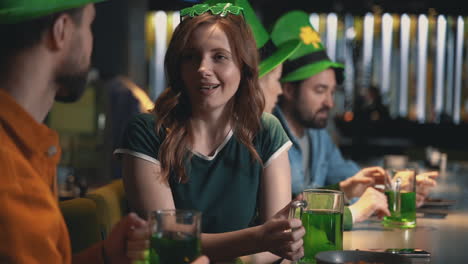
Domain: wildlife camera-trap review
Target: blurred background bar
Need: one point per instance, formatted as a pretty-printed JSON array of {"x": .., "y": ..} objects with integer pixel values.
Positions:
[
  {"x": 439, "y": 66},
  {"x": 421, "y": 77},
  {"x": 332, "y": 31},
  {"x": 315, "y": 21},
  {"x": 367, "y": 50},
  {"x": 160, "y": 39},
  {"x": 405, "y": 26},
  {"x": 449, "y": 83},
  {"x": 458, "y": 69},
  {"x": 348, "y": 53},
  {"x": 387, "y": 32}
]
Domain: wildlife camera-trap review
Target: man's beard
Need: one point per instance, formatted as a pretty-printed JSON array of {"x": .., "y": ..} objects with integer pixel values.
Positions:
[
  {"x": 312, "y": 121},
  {"x": 72, "y": 86}
]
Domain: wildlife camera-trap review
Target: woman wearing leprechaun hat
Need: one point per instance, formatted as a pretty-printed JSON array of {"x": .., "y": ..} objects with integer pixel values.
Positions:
[
  {"x": 270, "y": 69},
  {"x": 208, "y": 146}
]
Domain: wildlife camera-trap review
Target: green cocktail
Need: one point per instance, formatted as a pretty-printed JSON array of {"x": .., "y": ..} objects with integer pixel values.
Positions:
[
  {"x": 175, "y": 236},
  {"x": 324, "y": 232},
  {"x": 402, "y": 207},
  {"x": 174, "y": 248}
]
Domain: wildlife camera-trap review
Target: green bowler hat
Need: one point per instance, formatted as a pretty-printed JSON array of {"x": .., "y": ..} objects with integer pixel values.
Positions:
[
  {"x": 16, "y": 11},
  {"x": 276, "y": 54},
  {"x": 311, "y": 57}
]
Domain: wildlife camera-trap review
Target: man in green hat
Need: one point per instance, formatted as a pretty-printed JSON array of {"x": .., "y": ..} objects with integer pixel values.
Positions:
[
  {"x": 309, "y": 82},
  {"x": 44, "y": 56}
]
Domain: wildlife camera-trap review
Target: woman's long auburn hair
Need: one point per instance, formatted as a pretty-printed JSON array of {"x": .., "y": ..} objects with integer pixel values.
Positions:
[{"x": 173, "y": 107}]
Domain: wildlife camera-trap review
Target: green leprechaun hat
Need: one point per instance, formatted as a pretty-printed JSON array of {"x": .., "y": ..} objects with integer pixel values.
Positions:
[
  {"x": 271, "y": 55},
  {"x": 311, "y": 57},
  {"x": 16, "y": 11}
]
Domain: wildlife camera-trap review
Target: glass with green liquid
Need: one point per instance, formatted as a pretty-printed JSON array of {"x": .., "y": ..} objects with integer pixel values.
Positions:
[
  {"x": 321, "y": 213},
  {"x": 175, "y": 237},
  {"x": 400, "y": 189}
]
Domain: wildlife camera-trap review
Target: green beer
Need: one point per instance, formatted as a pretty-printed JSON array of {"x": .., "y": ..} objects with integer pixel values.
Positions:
[
  {"x": 174, "y": 248},
  {"x": 406, "y": 216},
  {"x": 324, "y": 232}
]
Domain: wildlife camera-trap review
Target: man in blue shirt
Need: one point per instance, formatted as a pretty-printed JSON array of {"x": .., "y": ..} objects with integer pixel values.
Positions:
[{"x": 309, "y": 82}]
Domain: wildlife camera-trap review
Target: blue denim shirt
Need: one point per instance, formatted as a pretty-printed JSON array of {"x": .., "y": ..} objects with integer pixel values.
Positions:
[{"x": 327, "y": 165}]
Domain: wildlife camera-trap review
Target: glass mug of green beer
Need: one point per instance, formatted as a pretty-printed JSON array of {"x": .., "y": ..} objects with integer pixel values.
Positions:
[
  {"x": 175, "y": 236},
  {"x": 321, "y": 213},
  {"x": 400, "y": 189}
]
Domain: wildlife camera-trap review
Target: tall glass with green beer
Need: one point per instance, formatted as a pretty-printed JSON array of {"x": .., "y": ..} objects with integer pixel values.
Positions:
[
  {"x": 321, "y": 212},
  {"x": 400, "y": 189},
  {"x": 175, "y": 236}
]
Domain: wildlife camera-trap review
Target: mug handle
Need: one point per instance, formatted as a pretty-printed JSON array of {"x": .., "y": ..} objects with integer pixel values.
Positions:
[{"x": 294, "y": 206}]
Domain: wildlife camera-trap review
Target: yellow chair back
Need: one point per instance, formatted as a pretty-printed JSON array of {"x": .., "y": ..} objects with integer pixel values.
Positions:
[{"x": 111, "y": 204}]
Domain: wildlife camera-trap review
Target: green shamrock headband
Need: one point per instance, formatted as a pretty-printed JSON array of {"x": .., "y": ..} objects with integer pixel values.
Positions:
[{"x": 221, "y": 9}]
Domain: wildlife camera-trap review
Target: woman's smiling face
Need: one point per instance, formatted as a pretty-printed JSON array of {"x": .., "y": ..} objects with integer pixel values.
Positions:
[{"x": 210, "y": 73}]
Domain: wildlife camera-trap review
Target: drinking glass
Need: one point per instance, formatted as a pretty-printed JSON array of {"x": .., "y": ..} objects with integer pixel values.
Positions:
[
  {"x": 321, "y": 212},
  {"x": 175, "y": 236},
  {"x": 400, "y": 189}
]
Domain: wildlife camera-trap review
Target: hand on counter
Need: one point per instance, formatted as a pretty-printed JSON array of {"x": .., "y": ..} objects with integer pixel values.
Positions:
[
  {"x": 424, "y": 183},
  {"x": 356, "y": 185},
  {"x": 372, "y": 201},
  {"x": 274, "y": 237}
]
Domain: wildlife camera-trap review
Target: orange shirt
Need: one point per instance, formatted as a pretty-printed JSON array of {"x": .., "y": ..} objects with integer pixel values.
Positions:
[{"x": 32, "y": 229}]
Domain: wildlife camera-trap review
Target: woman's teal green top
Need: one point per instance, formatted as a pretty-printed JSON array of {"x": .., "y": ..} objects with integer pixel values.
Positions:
[{"x": 225, "y": 187}]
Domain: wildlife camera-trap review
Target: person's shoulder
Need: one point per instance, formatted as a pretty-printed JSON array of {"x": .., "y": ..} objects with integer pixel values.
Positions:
[
  {"x": 143, "y": 123},
  {"x": 271, "y": 127},
  {"x": 269, "y": 120},
  {"x": 7, "y": 148},
  {"x": 12, "y": 162},
  {"x": 144, "y": 118}
]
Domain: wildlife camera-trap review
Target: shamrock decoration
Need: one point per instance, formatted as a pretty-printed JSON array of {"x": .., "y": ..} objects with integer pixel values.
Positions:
[
  {"x": 195, "y": 10},
  {"x": 310, "y": 36},
  {"x": 220, "y": 9}
]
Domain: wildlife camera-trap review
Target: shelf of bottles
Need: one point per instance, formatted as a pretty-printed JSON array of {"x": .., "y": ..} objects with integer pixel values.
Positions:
[{"x": 414, "y": 63}]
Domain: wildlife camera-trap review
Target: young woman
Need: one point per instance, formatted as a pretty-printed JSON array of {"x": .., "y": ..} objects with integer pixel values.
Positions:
[{"x": 207, "y": 146}]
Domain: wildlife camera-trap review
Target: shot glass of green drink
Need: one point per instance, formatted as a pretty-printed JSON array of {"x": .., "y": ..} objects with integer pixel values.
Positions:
[
  {"x": 175, "y": 236},
  {"x": 321, "y": 212},
  {"x": 400, "y": 189}
]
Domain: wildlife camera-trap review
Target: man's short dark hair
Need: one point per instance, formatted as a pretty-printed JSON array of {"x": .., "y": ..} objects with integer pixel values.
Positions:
[
  {"x": 296, "y": 85},
  {"x": 24, "y": 35}
]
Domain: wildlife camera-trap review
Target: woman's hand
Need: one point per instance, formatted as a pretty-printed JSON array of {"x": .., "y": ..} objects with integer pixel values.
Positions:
[{"x": 282, "y": 236}]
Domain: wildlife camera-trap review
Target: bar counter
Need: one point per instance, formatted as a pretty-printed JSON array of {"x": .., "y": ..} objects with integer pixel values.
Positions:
[{"x": 441, "y": 229}]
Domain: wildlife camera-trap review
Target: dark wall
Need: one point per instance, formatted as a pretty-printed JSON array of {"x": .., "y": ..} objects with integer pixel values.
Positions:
[{"x": 119, "y": 43}]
